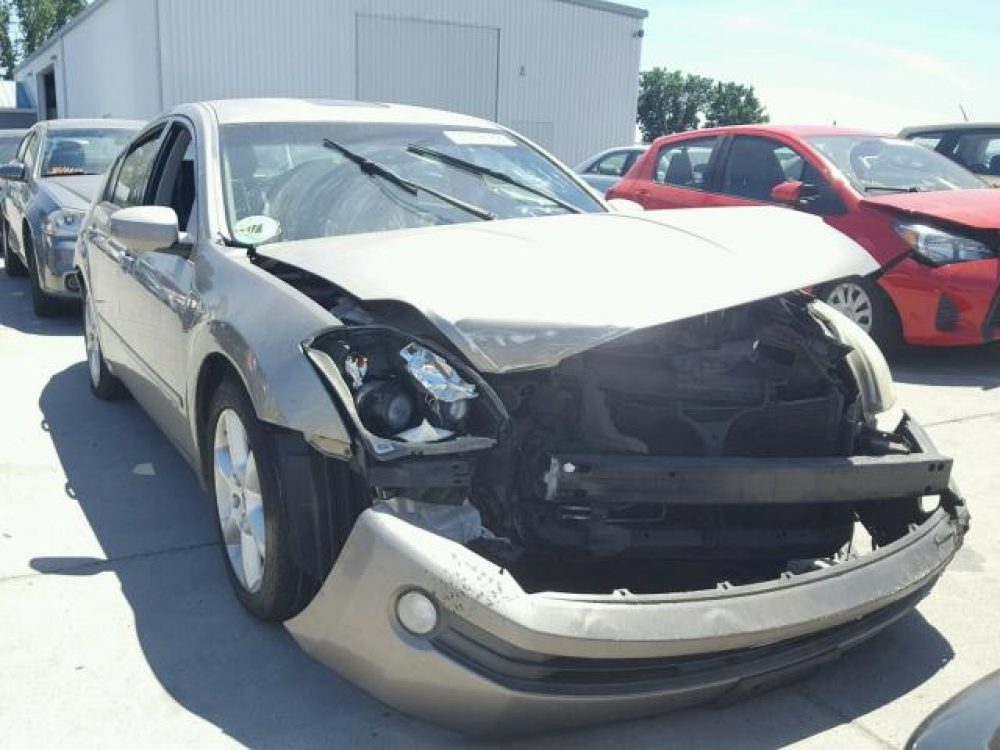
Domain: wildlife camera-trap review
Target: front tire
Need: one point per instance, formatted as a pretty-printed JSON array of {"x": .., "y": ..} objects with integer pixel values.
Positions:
[
  {"x": 12, "y": 264},
  {"x": 44, "y": 305},
  {"x": 253, "y": 523},
  {"x": 103, "y": 384},
  {"x": 865, "y": 303}
]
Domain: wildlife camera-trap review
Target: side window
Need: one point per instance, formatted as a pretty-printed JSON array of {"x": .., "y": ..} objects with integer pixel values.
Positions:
[
  {"x": 25, "y": 144},
  {"x": 978, "y": 152},
  {"x": 612, "y": 165},
  {"x": 928, "y": 140},
  {"x": 31, "y": 153},
  {"x": 175, "y": 184},
  {"x": 754, "y": 167},
  {"x": 134, "y": 172},
  {"x": 685, "y": 164}
]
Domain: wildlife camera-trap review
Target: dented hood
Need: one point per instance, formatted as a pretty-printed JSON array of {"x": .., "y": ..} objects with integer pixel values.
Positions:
[
  {"x": 979, "y": 209},
  {"x": 526, "y": 293}
]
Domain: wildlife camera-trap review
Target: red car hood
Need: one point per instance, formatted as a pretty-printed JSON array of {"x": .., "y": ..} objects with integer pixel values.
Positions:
[{"x": 979, "y": 209}]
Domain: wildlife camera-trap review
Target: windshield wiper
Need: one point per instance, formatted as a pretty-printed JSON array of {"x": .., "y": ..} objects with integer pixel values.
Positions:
[
  {"x": 468, "y": 166},
  {"x": 891, "y": 189},
  {"x": 374, "y": 169}
]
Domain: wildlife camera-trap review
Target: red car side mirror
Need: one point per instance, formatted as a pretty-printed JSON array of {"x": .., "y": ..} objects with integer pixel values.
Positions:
[{"x": 789, "y": 192}]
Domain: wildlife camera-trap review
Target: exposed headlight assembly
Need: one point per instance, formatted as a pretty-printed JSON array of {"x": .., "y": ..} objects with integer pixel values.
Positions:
[
  {"x": 866, "y": 360},
  {"x": 938, "y": 247},
  {"x": 63, "y": 222},
  {"x": 402, "y": 392}
]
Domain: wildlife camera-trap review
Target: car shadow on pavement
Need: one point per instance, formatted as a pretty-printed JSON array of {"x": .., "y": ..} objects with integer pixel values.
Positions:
[
  {"x": 16, "y": 312},
  {"x": 252, "y": 681},
  {"x": 968, "y": 366}
]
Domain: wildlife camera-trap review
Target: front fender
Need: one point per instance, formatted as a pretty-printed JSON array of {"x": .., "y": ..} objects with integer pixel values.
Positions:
[{"x": 257, "y": 323}]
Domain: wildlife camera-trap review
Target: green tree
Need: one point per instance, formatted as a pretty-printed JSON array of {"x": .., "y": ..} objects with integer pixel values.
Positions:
[
  {"x": 8, "y": 52},
  {"x": 37, "y": 20},
  {"x": 733, "y": 104},
  {"x": 671, "y": 101}
]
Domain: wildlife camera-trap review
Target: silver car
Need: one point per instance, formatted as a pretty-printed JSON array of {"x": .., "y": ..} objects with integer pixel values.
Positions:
[
  {"x": 497, "y": 476},
  {"x": 603, "y": 171},
  {"x": 48, "y": 187},
  {"x": 974, "y": 145}
]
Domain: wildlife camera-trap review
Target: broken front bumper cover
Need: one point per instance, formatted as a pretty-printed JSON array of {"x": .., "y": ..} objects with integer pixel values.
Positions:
[{"x": 503, "y": 661}]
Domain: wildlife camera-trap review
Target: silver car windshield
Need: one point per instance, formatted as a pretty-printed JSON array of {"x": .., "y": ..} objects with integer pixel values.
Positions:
[
  {"x": 82, "y": 151},
  {"x": 892, "y": 165},
  {"x": 282, "y": 184}
]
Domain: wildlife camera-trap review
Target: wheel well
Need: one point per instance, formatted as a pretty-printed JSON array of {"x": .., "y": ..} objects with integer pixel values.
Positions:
[{"x": 214, "y": 370}]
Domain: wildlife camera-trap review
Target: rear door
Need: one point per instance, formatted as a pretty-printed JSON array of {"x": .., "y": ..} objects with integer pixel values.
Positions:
[{"x": 679, "y": 174}]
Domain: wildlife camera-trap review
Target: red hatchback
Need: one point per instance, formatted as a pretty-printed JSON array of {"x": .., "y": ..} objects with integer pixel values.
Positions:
[{"x": 933, "y": 226}]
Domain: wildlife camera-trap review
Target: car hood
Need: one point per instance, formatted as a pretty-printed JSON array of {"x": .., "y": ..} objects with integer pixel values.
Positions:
[
  {"x": 526, "y": 293},
  {"x": 979, "y": 209},
  {"x": 73, "y": 191}
]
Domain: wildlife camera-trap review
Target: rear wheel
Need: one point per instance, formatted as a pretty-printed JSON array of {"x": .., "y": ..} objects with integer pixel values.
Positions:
[
  {"x": 44, "y": 305},
  {"x": 864, "y": 302},
  {"x": 11, "y": 261},
  {"x": 103, "y": 384},
  {"x": 253, "y": 524}
]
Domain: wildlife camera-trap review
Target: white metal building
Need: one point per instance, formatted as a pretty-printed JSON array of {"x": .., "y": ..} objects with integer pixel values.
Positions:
[{"x": 563, "y": 72}]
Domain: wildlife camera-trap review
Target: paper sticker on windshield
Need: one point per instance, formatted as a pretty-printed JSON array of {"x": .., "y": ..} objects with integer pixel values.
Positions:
[
  {"x": 257, "y": 229},
  {"x": 479, "y": 138}
]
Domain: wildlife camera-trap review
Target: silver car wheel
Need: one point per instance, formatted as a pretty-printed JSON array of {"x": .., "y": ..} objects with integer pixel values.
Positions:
[
  {"x": 853, "y": 301},
  {"x": 239, "y": 501},
  {"x": 91, "y": 342}
]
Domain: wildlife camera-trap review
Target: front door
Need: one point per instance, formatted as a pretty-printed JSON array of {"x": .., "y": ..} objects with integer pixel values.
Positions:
[{"x": 157, "y": 296}]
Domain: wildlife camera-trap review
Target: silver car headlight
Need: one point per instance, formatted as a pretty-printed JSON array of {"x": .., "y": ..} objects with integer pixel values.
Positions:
[
  {"x": 63, "y": 222},
  {"x": 866, "y": 360},
  {"x": 938, "y": 247},
  {"x": 401, "y": 390}
]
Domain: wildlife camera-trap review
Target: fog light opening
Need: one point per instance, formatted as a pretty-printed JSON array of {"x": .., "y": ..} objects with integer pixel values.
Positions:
[{"x": 417, "y": 613}]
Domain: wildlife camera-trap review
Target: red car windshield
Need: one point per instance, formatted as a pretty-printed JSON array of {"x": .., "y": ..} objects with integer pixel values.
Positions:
[{"x": 892, "y": 165}]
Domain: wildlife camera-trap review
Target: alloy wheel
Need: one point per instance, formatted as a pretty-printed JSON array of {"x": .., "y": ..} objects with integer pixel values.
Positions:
[
  {"x": 91, "y": 342},
  {"x": 853, "y": 301},
  {"x": 239, "y": 501}
]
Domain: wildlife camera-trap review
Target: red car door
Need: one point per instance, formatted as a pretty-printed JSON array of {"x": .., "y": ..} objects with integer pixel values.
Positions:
[{"x": 675, "y": 174}]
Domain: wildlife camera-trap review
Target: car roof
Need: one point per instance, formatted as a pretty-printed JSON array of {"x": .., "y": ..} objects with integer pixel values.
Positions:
[
  {"x": 96, "y": 123},
  {"x": 949, "y": 126},
  {"x": 230, "y": 111},
  {"x": 794, "y": 131}
]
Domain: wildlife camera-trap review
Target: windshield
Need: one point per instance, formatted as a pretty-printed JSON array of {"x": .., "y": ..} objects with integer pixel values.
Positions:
[
  {"x": 82, "y": 151},
  {"x": 281, "y": 182},
  {"x": 892, "y": 165},
  {"x": 8, "y": 147}
]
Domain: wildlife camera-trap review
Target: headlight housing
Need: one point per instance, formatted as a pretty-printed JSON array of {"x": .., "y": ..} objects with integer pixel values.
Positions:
[
  {"x": 938, "y": 247},
  {"x": 402, "y": 392},
  {"x": 63, "y": 222},
  {"x": 867, "y": 363}
]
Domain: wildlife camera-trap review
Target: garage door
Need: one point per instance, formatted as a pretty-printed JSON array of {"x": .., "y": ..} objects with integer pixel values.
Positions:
[{"x": 429, "y": 63}]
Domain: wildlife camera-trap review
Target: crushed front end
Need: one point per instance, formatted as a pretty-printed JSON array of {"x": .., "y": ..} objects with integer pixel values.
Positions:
[{"x": 673, "y": 515}]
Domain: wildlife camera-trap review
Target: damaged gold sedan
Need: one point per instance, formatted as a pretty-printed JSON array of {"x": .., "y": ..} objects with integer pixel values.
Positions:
[{"x": 505, "y": 455}]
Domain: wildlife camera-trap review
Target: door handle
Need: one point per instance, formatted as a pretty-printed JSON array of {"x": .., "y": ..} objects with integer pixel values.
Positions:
[{"x": 642, "y": 191}]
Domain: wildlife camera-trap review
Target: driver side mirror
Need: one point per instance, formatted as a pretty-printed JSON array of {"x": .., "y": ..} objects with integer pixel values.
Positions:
[
  {"x": 144, "y": 229},
  {"x": 13, "y": 171},
  {"x": 794, "y": 193}
]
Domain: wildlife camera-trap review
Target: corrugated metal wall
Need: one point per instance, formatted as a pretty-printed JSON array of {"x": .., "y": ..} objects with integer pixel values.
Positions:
[{"x": 566, "y": 75}]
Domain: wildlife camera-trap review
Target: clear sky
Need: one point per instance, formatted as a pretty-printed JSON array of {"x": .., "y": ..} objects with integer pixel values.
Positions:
[{"x": 873, "y": 64}]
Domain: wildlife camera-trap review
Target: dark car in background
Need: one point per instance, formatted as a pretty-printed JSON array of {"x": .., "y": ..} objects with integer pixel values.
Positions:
[
  {"x": 974, "y": 145},
  {"x": 48, "y": 187},
  {"x": 9, "y": 141}
]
